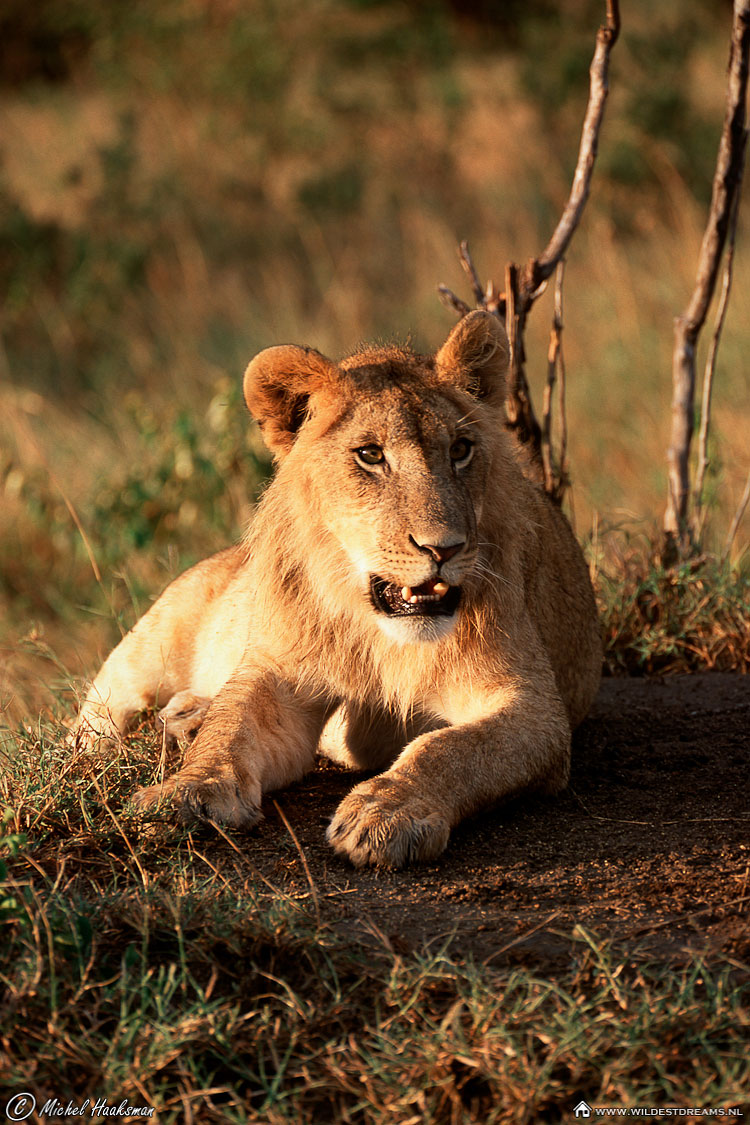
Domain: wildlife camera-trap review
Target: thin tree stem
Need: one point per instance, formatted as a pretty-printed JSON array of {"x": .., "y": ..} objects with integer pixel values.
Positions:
[
  {"x": 727, "y": 180},
  {"x": 734, "y": 528},
  {"x": 710, "y": 369}
]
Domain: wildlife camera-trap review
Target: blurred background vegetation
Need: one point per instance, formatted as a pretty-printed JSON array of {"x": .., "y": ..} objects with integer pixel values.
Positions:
[{"x": 184, "y": 182}]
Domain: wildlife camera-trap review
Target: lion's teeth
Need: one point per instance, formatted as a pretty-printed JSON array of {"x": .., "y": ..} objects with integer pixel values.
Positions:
[{"x": 439, "y": 590}]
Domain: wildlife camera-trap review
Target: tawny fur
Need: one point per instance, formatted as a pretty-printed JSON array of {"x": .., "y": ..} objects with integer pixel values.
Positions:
[{"x": 262, "y": 645}]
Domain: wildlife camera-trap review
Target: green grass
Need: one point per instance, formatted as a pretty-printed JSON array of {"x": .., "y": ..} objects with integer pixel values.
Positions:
[
  {"x": 135, "y": 966},
  {"x": 234, "y": 1002},
  {"x": 690, "y": 617}
]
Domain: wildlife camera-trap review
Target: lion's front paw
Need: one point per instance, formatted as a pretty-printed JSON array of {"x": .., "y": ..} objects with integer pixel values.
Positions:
[
  {"x": 203, "y": 798},
  {"x": 387, "y": 823}
]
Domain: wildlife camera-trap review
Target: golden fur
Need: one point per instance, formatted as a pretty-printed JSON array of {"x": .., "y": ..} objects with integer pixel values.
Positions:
[{"x": 279, "y": 647}]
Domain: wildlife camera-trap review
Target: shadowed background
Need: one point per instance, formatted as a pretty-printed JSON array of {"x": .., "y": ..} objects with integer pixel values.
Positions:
[{"x": 183, "y": 183}]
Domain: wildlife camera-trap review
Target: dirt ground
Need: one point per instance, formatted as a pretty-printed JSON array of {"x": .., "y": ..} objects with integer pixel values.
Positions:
[{"x": 648, "y": 847}]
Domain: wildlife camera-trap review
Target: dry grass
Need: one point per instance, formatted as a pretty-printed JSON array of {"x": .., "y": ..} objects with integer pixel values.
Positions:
[
  {"x": 658, "y": 619},
  {"x": 141, "y": 967}
]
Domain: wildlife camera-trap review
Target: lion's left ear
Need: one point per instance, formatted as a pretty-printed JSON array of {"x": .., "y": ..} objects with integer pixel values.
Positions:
[
  {"x": 475, "y": 356},
  {"x": 278, "y": 384}
]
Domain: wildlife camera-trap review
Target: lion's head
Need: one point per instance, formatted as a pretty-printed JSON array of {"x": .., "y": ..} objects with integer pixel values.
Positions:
[{"x": 385, "y": 458}]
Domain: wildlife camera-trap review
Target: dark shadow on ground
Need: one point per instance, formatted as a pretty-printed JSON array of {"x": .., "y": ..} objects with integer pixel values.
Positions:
[{"x": 649, "y": 846}]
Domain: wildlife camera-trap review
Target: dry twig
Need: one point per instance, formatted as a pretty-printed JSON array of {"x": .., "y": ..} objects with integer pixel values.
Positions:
[
  {"x": 523, "y": 285},
  {"x": 470, "y": 271},
  {"x": 449, "y": 298},
  {"x": 735, "y": 525},
  {"x": 530, "y": 281},
  {"x": 710, "y": 368},
  {"x": 726, "y": 185},
  {"x": 555, "y": 478}
]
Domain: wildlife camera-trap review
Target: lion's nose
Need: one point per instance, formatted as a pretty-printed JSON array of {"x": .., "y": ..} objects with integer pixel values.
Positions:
[{"x": 440, "y": 552}]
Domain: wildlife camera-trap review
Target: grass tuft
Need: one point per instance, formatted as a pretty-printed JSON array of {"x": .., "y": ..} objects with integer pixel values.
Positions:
[{"x": 686, "y": 618}]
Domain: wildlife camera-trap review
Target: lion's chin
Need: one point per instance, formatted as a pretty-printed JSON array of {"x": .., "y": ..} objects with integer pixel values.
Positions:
[{"x": 416, "y": 630}]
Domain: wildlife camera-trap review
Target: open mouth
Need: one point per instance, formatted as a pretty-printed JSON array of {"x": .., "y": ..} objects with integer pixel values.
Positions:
[{"x": 434, "y": 598}]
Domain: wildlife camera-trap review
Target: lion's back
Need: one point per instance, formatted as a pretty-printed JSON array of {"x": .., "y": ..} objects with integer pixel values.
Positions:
[{"x": 561, "y": 600}]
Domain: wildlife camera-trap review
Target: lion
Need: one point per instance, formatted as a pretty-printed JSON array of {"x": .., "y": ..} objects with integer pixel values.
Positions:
[{"x": 407, "y": 600}]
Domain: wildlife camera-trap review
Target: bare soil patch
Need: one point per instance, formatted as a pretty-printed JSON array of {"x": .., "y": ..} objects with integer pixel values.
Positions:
[{"x": 648, "y": 847}]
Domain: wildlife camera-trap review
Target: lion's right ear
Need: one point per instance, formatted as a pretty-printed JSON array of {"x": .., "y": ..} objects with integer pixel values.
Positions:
[{"x": 278, "y": 384}]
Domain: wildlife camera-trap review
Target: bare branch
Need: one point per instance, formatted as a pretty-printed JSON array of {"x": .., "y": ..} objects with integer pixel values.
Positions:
[
  {"x": 727, "y": 180},
  {"x": 471, "y": 273},
  {"x": 451, "y": 301},
  {"x": 710, "y": 369},
  {"x": 494, "y": 301},
  {"x": 561, "y": 381},
  {"x": 531, "y": 281},
  {"x": 539, "y": 269},
  {"x": 520, "y": 411},
  {"x": 524, "y": 286},
  {"x": 551, "y": 482},
  {"x": 745, "y": 499}
]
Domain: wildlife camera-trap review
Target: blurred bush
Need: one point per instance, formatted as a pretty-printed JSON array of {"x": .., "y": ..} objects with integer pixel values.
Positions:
[
  {"x": 47, "y": 41},
  {"x": 183, "y": 182}
]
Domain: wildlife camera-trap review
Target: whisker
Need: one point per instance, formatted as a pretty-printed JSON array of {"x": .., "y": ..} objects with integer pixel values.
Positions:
[
  {"x": 483, "y": 568},
  {"x": 467, "y": 420}
]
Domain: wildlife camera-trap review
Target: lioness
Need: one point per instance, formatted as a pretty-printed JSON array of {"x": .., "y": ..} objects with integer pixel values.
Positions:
[{"x": 402, "y": 579}]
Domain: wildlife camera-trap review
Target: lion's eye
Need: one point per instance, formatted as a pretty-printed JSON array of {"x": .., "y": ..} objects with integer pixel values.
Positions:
[
  {"x": 461, "y": 452},
  {"x": 370, "y": 455}
]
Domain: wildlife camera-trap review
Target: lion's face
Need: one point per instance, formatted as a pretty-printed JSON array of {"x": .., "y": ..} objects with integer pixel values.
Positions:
[
  {"x": 390, "y": 456},
  {"x": 400, "y": 488}
]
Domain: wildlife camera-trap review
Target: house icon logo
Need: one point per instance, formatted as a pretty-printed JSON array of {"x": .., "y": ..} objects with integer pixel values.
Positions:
[{"x": 582, "y": 1110}]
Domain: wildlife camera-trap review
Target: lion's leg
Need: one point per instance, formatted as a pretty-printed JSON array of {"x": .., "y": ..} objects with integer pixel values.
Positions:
[
  {"x": 130, "y": 681},
  {"x": 259, "y": 734},
  {"x": 369, "y": 738},
  {"x": 161, "y": 655},
  {"x": 442, "y": 777}
]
